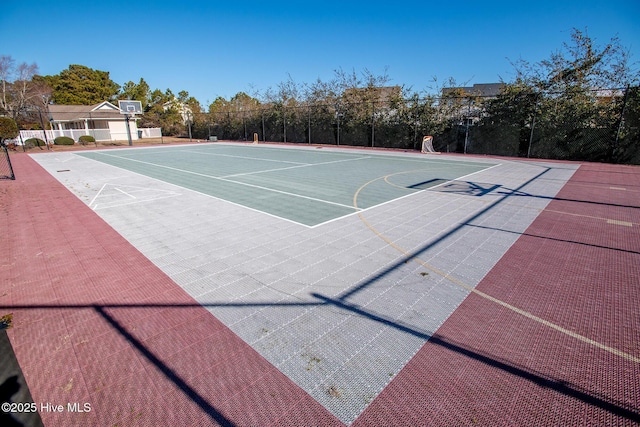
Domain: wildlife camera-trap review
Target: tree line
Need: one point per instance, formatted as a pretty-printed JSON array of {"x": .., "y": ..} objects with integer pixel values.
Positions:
[
  {"x": 24, "y": 95},
  {"x": 581, "y": 103}
]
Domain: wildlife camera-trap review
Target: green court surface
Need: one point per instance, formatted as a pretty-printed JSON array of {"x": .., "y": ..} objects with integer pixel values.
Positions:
[{"x": 308, "y": 186}]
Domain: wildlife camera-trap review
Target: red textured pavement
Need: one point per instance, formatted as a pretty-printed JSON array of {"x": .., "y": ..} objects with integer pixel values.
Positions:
[
  {"x": 100, "y": 324},
  {"x": 488, "y": 365}
]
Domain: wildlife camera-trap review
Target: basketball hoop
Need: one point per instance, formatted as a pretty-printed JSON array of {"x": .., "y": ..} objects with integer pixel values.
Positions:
[{"x": 129, "y": 109}]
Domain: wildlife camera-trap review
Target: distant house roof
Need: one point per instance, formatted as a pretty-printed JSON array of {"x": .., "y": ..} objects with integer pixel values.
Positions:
[
  {"x": 479, "y": 89},
  {"x": 73, "y": 113},
  {"x": 181, "y": 107}
]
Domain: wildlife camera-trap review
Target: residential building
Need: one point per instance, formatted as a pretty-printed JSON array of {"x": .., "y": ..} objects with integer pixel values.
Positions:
[{"x": 103, "y": 121}]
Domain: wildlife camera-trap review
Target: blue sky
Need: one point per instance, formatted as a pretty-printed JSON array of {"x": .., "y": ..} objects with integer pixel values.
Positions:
[{"x": 213, "y": 48}]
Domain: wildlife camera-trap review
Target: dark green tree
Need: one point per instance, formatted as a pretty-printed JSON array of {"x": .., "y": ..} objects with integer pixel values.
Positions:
[
  {"x": 80, "y": 85},
  {"x": 137, "y": 92},
  {"x": 8, "y": 129},
  {"x": 236, "y": 118},
  {"x": 626, "y": 148},
  {"x": 170, "y": 112},
  {"x": 508, "y": 120}
]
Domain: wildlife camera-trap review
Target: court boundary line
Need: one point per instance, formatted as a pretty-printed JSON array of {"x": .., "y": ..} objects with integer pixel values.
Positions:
[
  {"x": 94, "y": 206},
  {"x": 473, "y": 290},
  {"x": 359, "y": 150},
  {"x": 412, "y": 193},
  {"x": 295, "y": 167},
  {"x": 336, "y": 151},
  {"x": 206, "y": 195},
  {"x": 229, "y": 180},
  {"x": 241, "y": 157},
  {"x": 356, "y": 210}
]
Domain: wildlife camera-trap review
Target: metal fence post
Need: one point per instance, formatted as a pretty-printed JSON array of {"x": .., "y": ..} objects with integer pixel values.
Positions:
[
  {"x": 466, "y": 133},
  {"x": 373, "y": 123},
  {"x": 309, "y": 124},
  {"x": 44, "y": 130},
  {"x": 284, "y": 122},
  {"x": 620, "y": 122},
  {"x": 10, "y": 175},
  {"x": 533, "y": 124},
  {"x": 338, "y": 135}
]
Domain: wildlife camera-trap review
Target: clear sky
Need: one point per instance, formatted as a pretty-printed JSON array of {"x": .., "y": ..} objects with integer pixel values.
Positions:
[{"x": 218, "y": 48}]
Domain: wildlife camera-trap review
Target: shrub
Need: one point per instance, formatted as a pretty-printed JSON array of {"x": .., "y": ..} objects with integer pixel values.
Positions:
[
  {"x": 63, "y": 140},
  {"x": 8, "y": 129},
  {"x": 86, "y": 138},
  {"x": 34, "y": 142}
]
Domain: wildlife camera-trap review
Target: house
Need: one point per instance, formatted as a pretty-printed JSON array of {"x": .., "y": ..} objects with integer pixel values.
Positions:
[
  {"x": 103, "y": 121},
  {"x": 464, "y": 105},
  {"x": 183, "y": 109},
  {"x": 484, "y": 90}
]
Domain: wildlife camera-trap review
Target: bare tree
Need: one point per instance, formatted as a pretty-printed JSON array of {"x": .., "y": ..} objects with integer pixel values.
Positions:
[
  {"x": 7, "y": 67},
  {"x": 20, "y": 88}
]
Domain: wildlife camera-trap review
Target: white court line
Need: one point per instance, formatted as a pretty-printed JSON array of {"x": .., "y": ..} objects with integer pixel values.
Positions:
[
  {"x": 96, "y": 196},
  {"x": 337, "y": 150},
  {"x": 361, "y": 211},
  {"x": 124, "y": 192},
  {"x": 64, "y": 160},
  {"x": 463, "y": 177},
  {"x": 231, "y": 181},
  {"x": 356, "y": 210},
  {"x": 295, "y": 167},
  {"x": 243, "y": 157},
  {"x": 113, "y": 177},
  {"x": 109, "y": 205},
  {"x": 95, "y": 207}
]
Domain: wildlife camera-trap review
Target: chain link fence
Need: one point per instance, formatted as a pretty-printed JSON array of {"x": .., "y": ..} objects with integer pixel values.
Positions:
[
  {"x": 6, "y": 171},
  {"x": 598, "y": 125}
]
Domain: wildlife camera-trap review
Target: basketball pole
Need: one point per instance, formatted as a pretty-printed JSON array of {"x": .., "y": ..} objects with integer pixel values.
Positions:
[
  {"x": 135, "y": 107},
  {"x": 126, "y": 120}
]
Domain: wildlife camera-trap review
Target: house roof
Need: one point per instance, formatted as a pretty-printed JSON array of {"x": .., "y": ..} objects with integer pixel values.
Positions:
[
  {"x": 478, "y": 89},
  {"x": 72, "y": 113}
]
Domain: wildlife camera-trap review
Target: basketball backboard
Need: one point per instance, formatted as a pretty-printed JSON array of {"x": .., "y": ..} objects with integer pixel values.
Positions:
[{"x": 130, "y": 107}]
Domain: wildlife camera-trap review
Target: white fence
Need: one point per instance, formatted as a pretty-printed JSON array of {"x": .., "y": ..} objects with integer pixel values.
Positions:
[
  {"x": 150, "y": 132},
  {"x": 75, "y": 134}
]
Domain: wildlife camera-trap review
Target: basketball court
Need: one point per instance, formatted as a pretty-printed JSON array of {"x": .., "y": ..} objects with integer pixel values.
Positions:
[{"x": 260, "y": 285}]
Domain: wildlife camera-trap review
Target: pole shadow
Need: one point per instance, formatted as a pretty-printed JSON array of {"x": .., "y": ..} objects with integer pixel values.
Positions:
[{"x": 565, "y": 388}]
